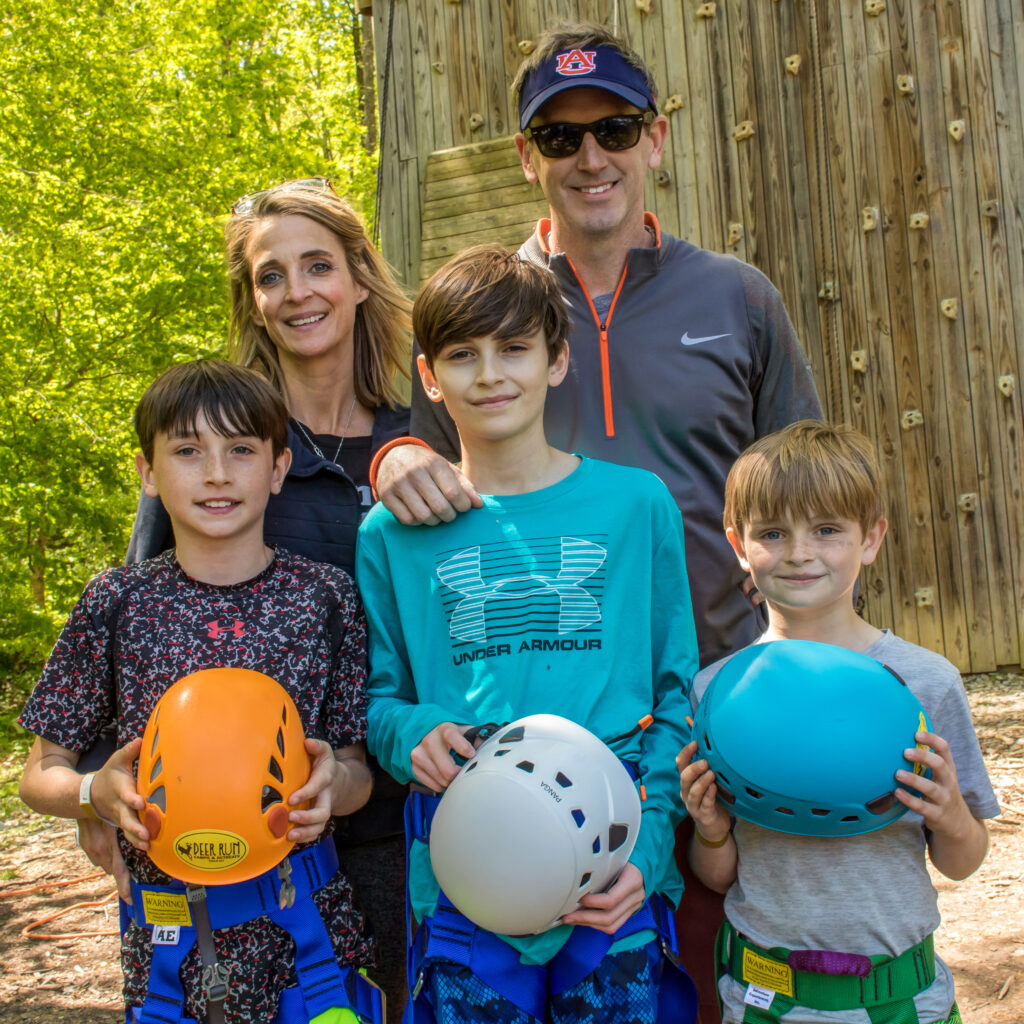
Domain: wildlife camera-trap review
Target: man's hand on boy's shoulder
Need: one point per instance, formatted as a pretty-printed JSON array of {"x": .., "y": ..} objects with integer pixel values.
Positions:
[
  {"x": 432, "y": 761},
  {"x": 420, "y": 488}
]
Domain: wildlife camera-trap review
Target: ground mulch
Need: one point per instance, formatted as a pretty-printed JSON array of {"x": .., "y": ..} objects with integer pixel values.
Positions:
[{"x": 76, "y": 980}]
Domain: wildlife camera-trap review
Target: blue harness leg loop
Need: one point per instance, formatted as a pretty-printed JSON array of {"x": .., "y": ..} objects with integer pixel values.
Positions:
[{"x": 323, "y": 984}]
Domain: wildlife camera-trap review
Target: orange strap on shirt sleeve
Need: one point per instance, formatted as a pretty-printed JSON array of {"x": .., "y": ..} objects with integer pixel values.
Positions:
[{"x": 396, "y": 442}]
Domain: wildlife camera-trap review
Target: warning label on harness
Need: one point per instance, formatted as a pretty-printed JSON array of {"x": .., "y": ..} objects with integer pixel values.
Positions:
[
  {"x": 166, "y": 908},
  {"x": 210, "y": 849},
  {"x": 759, "y": 970}
]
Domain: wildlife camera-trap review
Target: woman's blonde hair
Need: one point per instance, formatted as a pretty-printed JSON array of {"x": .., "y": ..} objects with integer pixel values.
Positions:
[
  {"x": 382, "y": 342},
  {"x": 807, "y": 469}
]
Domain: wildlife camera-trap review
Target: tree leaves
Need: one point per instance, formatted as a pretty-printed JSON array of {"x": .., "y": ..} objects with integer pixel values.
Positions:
[{"x": 127, "y": 129}]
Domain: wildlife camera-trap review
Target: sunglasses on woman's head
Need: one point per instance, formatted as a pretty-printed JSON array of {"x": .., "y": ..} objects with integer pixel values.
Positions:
[
  {"x": 615, "y": 133},
  {"x": 315, "y": 185}
]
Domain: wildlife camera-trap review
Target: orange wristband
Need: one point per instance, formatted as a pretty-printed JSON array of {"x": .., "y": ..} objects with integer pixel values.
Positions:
[{"x": 396, "y": 442}]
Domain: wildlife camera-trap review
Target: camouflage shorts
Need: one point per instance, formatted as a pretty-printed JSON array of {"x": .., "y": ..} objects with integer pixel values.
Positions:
[{"x": 620, "y": 990}]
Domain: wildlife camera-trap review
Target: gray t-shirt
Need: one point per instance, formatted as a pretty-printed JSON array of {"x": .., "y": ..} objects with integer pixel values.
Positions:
[{"x": 868, "y": 894}]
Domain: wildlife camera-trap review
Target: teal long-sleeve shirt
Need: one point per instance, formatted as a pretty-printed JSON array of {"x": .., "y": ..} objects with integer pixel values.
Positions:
[{"x": 573, "y": 601}]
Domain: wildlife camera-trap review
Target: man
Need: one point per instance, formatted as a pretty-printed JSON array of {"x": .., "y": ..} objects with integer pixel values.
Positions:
[{"x": 680, "y": 358}]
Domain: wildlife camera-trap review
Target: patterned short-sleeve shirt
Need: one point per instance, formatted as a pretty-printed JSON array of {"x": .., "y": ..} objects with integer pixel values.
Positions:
[{"x": 138, "y": 629}]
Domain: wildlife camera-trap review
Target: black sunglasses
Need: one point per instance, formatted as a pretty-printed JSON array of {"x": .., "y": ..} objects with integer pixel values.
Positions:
[{"x": 563, "y": 138}]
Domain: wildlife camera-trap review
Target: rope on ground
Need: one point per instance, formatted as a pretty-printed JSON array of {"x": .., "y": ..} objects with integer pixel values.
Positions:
[{"x": 29, "y": 931}]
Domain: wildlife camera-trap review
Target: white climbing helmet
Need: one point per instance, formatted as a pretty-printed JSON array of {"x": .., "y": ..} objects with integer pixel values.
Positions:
[{"x": 542, "y": 815}]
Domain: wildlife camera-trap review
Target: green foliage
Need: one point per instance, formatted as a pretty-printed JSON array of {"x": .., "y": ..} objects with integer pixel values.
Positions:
[{"x": 127, "y": 129}]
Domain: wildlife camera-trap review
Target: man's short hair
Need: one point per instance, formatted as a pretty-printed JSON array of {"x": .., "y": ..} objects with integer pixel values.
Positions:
[
  {"x": 236, "y": 402},
  {"x": 488, "y": 291},
  {"x": 579, "y": 36},
  {"x": 807, "y": 469}
]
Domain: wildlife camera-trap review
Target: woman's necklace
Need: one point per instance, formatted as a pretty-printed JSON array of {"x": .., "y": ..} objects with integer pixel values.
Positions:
[{"x": 316, "y": 448}]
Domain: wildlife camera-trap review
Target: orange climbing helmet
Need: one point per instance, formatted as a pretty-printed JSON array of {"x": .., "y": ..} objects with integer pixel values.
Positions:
[{"x": 222, "y": 752}]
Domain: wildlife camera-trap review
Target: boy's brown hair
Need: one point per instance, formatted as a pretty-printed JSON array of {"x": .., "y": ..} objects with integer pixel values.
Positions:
[
  {"x": 235, "y": 401},
  {"x": 489, "y": 291},
  {"x": 807, "y": 469}
]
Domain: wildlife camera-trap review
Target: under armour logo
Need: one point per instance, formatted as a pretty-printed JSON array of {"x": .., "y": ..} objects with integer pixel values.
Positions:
[
  {"x": 580, "y": 559},
  {"x": 216, "y": 632},
  {"x": 576, "y": 62}
]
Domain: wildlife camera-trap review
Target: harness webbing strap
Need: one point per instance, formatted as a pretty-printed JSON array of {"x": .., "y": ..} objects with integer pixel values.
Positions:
[
  {"x": 215, "y": 975},
  {"x": 886, "y": 993}
]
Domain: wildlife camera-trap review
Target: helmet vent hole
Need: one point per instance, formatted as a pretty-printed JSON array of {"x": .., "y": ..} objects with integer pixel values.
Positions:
[
  {"x": 597, "y": 844},
  {"x": 158, "y": 767},
  {"x": 513, "y": 735},
  {"x": 754, "y": 793},
  {"x": 280, "y": 741},
  {"x": 722, "y": 778},
  {"x": 275, "y": 769},
  {"x": 850, "y": 817},
  {"x": 578, "y": 816},
  {"x": 158, "y": 797},
  {"x": 707, "y": 742},
  {"x": 269, "y": 797},
  {"x": 471, "y": 765},
  {"x": 881, "y": 804},
  {"x": 584, "y": 879},
  {"x": 525, "y": 766},
  {"x": 724, "y": 794},
  {"x": 617, "y": 835},
  {"x": 563, "y": 780},
  {"x": 784, "y": 810},
  {"x": 284, "y": 714},
  {"x": 501, "y": 753},
  {"x": 156, "y": 737},
  {"x": 820, "y": 811}
]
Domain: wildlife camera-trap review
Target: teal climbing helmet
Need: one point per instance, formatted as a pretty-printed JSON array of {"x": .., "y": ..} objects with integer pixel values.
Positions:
[{"x": 806, "y": 738}]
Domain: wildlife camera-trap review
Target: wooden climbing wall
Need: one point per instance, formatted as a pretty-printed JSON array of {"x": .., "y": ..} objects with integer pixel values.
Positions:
[{"x": 878, "y": 180}]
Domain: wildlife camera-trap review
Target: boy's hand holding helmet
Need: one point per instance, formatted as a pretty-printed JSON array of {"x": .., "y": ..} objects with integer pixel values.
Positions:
[
  {"x": 936, "y": 798},
  {"x": 432, "y": 761},
  {"x": 699, "y": 792},
  {"x": 112, "y": 795}
]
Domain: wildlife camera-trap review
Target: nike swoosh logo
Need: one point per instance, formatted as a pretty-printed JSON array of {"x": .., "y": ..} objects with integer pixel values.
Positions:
[{"x": 687, "y": 340}]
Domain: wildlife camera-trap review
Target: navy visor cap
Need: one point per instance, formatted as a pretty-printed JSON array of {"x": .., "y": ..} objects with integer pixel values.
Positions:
[{"x": 601, "y": 67}]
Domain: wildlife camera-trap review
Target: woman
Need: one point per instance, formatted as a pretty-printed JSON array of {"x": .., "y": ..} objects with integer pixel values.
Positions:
[{"x": 317, "y": 310}]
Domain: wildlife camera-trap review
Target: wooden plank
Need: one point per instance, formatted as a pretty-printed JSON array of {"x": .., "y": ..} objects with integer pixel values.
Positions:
[
  {"x": 706, "y": 131},
  {"x": 484, "y": 156},
  {"x": 440, "y": 89},
  {"x": 799, "y": 286},
  {"x": 435, "y": 253},
  {"x": 913, "y": 559},
  {"x": 994, "y": 71},
  {"x": 458, "y": 225},
  {"x": 475, "y": 200},
  {"x": 961, "y": 278},
  {"x": 505, "y": 178},
  {"x": 865, "y": 310},
  {"x": 935, "y": 275},
  {"x": 422, "y": 73},
  {"x": 680, "y": 156}
]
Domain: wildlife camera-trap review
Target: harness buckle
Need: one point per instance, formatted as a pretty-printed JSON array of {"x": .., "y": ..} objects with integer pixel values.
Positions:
[
  {"x": 195, "y": 893},
  {"x": 286, "y": 897},
  {"x": 215, "y": 982},
  {"x": 418, "y": 987}
]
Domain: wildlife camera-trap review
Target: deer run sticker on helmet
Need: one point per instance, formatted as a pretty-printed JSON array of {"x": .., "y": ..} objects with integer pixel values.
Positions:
[
  {"x": 166, "y": 908},
  {"x": 210, "y": 849}
]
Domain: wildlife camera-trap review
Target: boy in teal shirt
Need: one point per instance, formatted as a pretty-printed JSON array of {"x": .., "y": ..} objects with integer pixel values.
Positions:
[{"x": 566, "y": 594}]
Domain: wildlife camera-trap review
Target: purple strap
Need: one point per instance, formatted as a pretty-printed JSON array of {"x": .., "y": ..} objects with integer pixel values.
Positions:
[{"x": 824, "y": 961}]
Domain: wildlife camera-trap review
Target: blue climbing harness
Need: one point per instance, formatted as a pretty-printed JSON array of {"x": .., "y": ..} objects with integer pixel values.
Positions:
[
  {"x": 449, "y": 935},
  {"x": 181, "y": 915}
]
